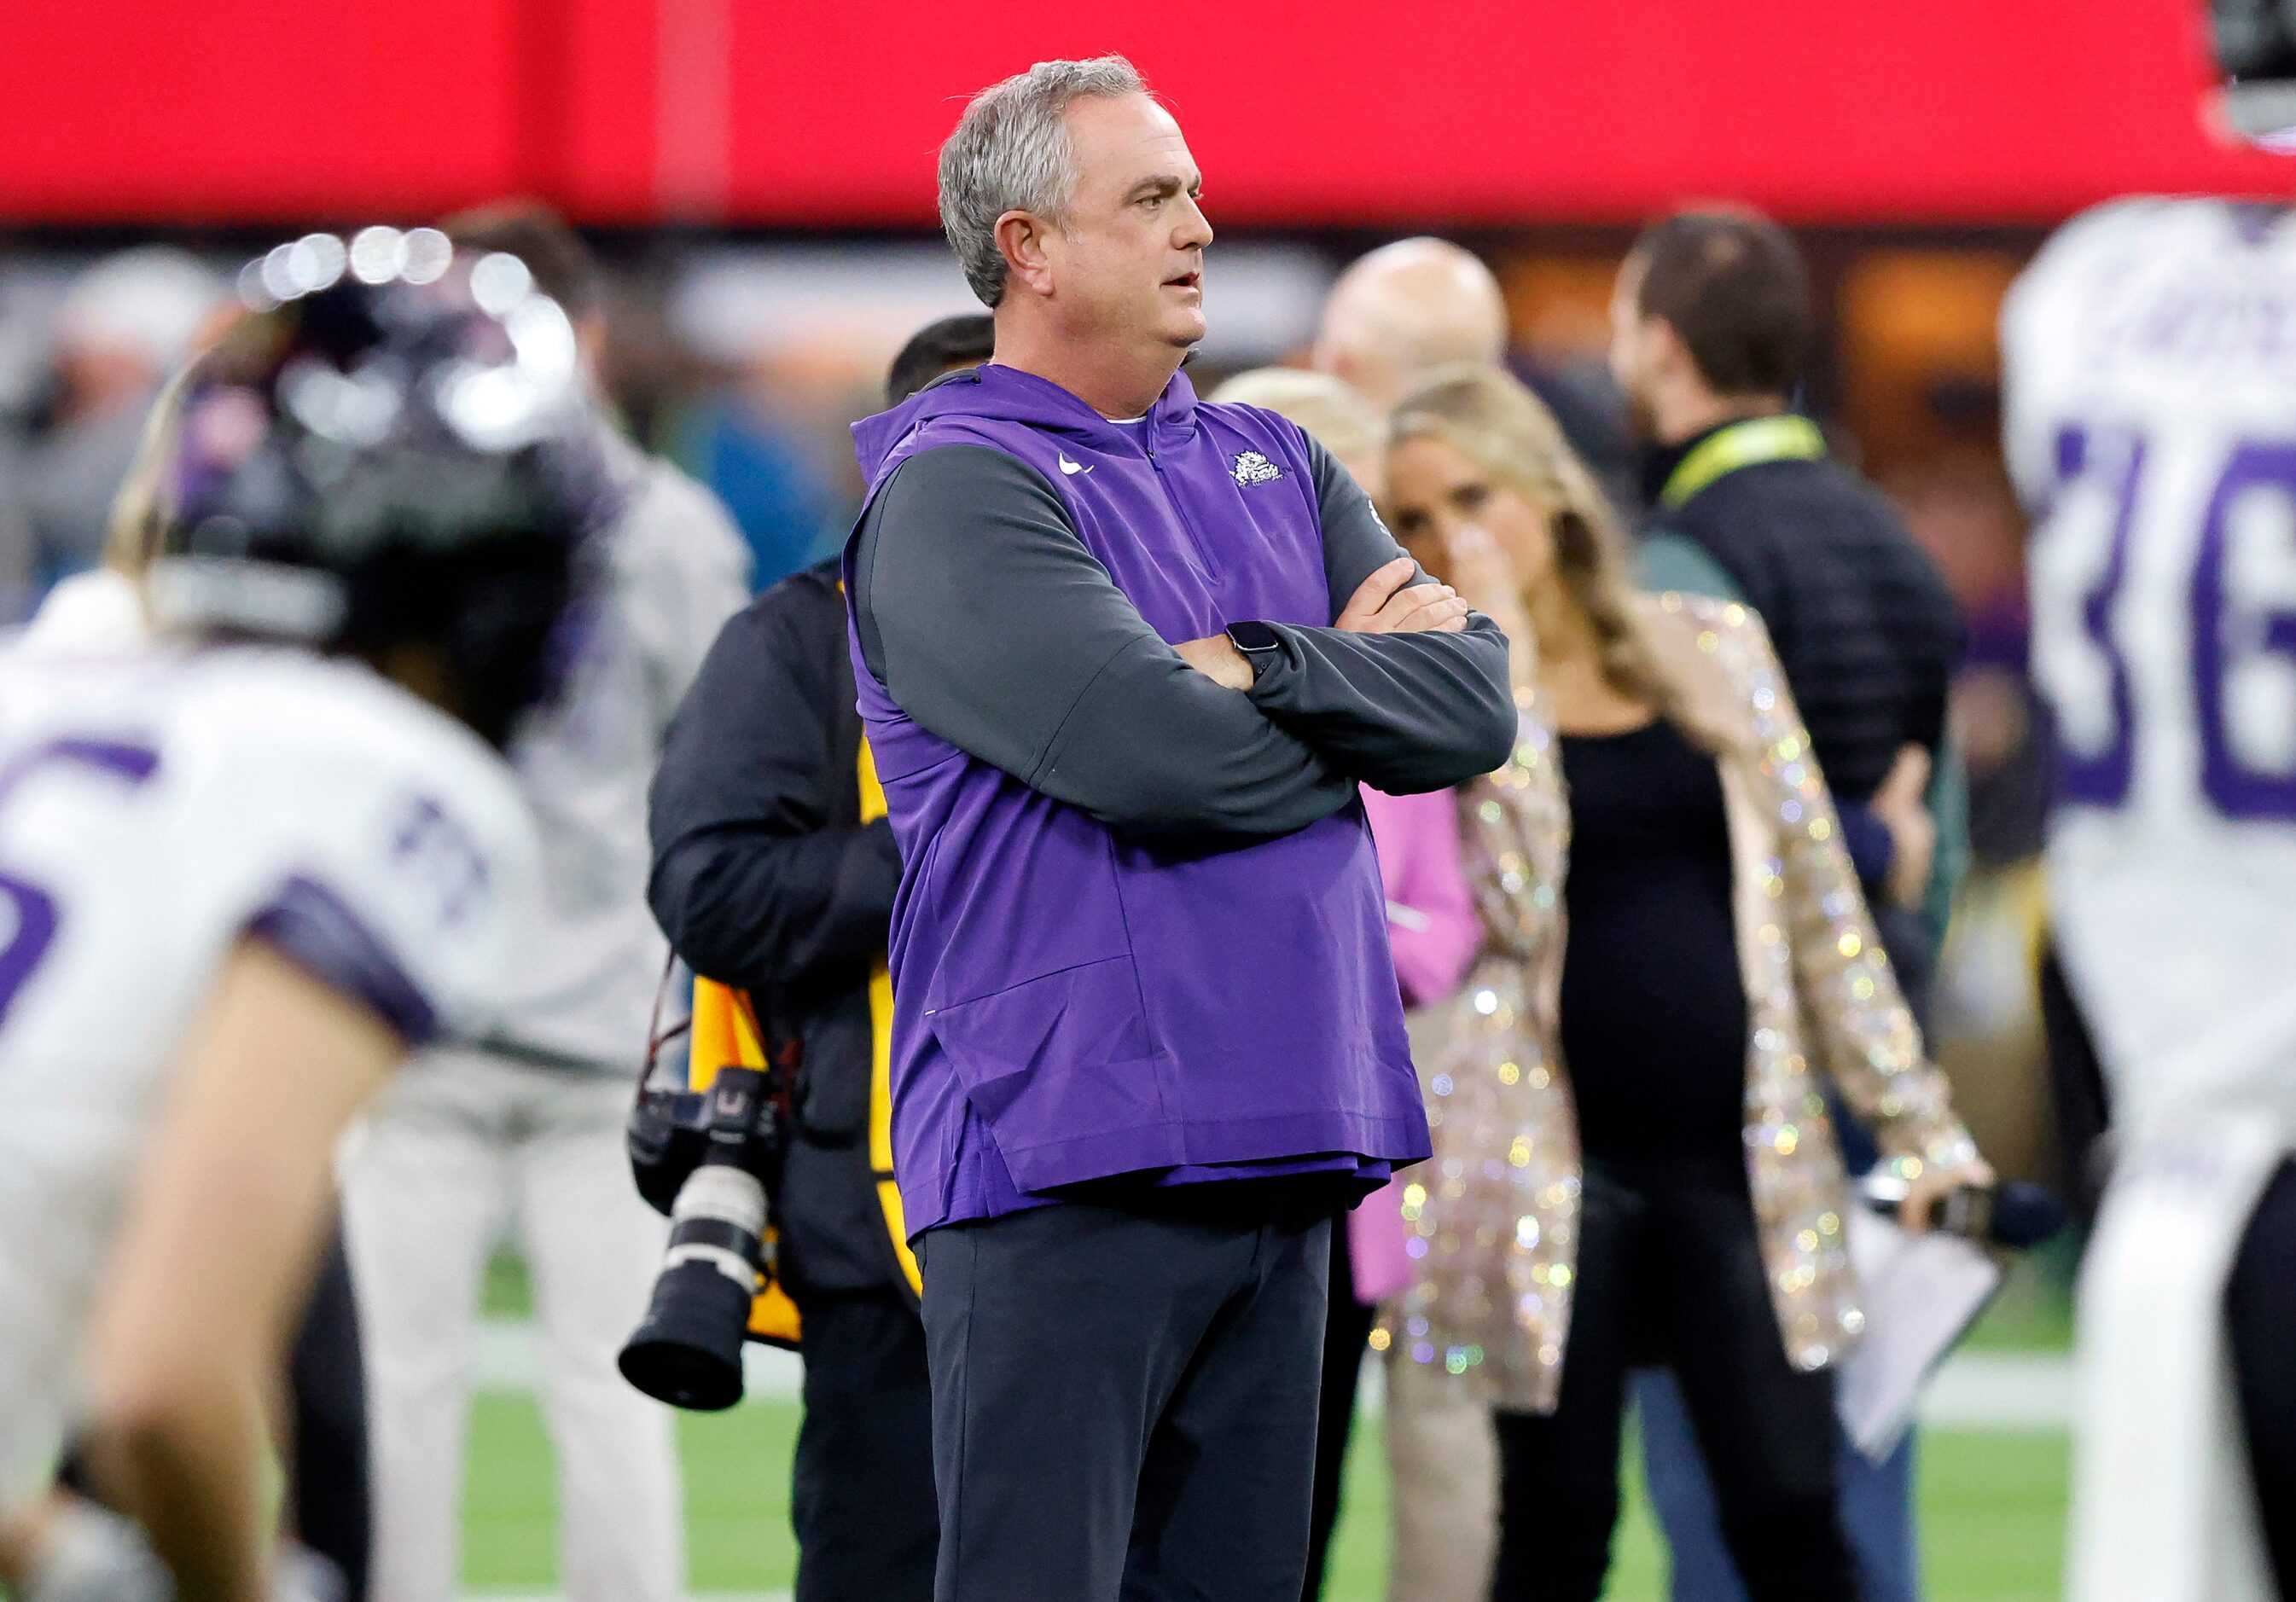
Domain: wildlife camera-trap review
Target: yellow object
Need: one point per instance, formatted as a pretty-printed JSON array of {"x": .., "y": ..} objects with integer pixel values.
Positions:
[
  {"x": 726, "y": 1035},
  {"x": 881, "y": 1067},
  {"x": 1756, "y": 440}
]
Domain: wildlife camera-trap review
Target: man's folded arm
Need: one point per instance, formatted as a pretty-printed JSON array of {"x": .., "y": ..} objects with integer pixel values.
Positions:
[
  {"x": 1403, "y": 713},
  {"x": 989, "y": 622}
]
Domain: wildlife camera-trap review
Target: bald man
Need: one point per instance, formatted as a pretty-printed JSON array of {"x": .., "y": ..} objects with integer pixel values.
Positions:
[
  {"x": 1405, "y": 308},
  {"x": 1420, "y": 304}
]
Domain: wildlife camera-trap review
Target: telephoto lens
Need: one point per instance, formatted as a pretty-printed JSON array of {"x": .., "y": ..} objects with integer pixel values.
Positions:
[{"x": 688, "y": 1351}]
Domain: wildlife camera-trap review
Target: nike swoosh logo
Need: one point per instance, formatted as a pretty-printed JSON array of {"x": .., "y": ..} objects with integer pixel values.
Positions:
[{"x": 1073, "y": 467}]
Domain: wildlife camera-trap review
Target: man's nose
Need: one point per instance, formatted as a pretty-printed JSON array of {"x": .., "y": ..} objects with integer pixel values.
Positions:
[{"x": 1195, "y": 228}]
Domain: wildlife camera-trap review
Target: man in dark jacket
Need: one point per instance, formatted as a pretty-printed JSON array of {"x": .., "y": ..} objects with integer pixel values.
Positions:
[
  {"x": 1711, "y": 327},
  {"x": 774, "y": 871}
]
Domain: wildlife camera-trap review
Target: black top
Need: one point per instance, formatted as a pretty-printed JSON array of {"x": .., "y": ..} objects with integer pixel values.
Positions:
[
  {"x": 766, "y": 878},
  {"x": 987, "y": 620},
  {"x": 1865, "y": 628},
  {"x": 1653, "y": 1005}
]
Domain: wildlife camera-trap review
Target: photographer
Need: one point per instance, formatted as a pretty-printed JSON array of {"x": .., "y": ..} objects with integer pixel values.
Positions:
[{"x": 773, "y": 872}]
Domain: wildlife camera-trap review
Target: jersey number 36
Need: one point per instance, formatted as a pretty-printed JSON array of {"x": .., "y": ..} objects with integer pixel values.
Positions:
[{"x": 2248, "y": 528}]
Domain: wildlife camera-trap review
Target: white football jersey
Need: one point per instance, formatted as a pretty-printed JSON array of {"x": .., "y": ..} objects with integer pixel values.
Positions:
[
  {"x": 153, "y": 809},
  {"x": 678, "y": 571},
  {"x": 2149, "y": 362}
]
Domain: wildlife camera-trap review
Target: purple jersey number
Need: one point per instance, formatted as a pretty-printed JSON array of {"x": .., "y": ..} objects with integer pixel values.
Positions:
[
  {"x": 2226, "y": 633},
  {"x": 2099, "y": 777},
  {"x": 35, "y": 916}
]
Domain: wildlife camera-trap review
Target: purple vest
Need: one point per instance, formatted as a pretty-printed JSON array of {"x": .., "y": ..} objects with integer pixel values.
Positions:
[{"x": 1073, "y": 1003}]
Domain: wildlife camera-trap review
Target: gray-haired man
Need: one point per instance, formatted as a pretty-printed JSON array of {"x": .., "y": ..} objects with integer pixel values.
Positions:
[{"x": 1123, "y": 659}]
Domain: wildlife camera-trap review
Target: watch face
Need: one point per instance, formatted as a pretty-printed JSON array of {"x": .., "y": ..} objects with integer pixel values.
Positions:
[{"x": 1251, "y": 636}]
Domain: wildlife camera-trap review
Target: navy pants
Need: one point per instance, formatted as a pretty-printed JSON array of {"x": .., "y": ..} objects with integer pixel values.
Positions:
[
  {"x": 1347, "y": 1337},
  {"x": 1124, "y": 1403},
  {"x": 861, "y": 1486}
]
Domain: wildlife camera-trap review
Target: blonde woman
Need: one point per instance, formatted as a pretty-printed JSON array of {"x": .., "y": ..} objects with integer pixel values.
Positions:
[
  {"x": 1633, "y": 1160},
  {"x": 1433, "y": 932}
]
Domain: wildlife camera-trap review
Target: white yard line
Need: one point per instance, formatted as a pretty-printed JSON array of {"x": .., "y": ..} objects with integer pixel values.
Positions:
[
  {"x": 690, "y": 1597},
  {"x": 2006, "y": 1393},
  {"x": 510, "y": 1358},
  {"x": 2021, "y": 1392}
]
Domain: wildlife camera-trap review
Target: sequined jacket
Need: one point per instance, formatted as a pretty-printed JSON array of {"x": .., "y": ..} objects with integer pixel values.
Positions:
[{"x": 1493, "y": 1216}]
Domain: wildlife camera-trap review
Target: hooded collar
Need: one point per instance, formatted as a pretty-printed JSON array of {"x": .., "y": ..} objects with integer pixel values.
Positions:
[{"x": 1007, "y": 395}]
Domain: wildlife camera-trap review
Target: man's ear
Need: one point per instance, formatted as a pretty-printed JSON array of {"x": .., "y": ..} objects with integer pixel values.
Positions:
[
  {"x": 1664, "y": 351},
  {"x": 1021, "y": 236}
]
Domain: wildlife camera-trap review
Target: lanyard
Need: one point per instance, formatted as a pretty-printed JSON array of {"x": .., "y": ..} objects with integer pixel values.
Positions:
[{"x": 1725, "y": 451}]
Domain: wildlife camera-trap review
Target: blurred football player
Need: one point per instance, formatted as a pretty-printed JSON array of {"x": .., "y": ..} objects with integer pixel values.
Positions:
[
  {"x": 249, "y": 866},
  {"x": 326, "y": 1502},
  {"x": 520, "y": 1118},
  {"x": 2151, "y": 419}
]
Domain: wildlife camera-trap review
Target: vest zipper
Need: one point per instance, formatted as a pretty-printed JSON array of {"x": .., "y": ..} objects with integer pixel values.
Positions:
[{"x": 1180, "y": 511}]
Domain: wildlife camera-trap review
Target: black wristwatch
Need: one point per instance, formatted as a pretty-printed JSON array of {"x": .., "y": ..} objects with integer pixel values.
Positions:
[{"x": 1258, "y": 643}]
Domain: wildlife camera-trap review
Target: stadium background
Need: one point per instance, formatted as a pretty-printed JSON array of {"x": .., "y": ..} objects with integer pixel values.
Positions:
[{"x": 758, "y": 178}]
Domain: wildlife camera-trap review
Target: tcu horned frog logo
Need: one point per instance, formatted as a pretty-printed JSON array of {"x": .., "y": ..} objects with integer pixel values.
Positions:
[{"x": 1252, "y": 468}]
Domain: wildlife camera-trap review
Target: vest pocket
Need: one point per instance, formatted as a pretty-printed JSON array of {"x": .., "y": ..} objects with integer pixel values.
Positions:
[{"x": 1057, "y": 1058}]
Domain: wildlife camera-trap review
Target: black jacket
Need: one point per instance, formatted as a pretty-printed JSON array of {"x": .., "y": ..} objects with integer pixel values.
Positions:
[
  {"x": 1866, "y": 629},
  {"x": 766, "y": 878}
]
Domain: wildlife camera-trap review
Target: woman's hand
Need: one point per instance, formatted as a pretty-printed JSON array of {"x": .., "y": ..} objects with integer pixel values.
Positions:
[
  {"x": 1930, "y": 1188},
  {"x": 1479, "y": 569},
  {"x": 1485, "y": 580}
]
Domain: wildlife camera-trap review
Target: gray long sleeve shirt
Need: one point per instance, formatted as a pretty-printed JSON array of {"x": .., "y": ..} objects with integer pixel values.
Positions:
[{"x": 1056, "y": 678}]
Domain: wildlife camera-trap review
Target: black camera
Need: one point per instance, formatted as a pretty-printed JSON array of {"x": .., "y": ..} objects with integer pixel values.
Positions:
[{"x": 711, "y": 1159}]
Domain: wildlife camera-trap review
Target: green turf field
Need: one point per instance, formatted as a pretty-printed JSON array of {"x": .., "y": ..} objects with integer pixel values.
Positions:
[
  {"x": 1992, "y": 1507},
  {"x": 1992, "y": 1504}
]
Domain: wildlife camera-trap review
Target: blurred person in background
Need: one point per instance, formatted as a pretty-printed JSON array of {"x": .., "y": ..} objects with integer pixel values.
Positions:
[
  {"x": 1414, "y": 305},
  {"x": 1407, "y": 308},
  {"x": 124, "y": 325},
  {"x": 2150, "y": 423},
  {"x": 942, "y": 346},
  {"x": 1630, "y": 1155},
  {"x": 98, "y": 609},
  {"x": 1400, "y": 311},
  {"x": 285, "y": 821},
  {"x": 756, "y": 438},
  {"x": 101, "y": 611},
  {"x": 1433, "y": 932},
  {"x": 518, "y": 1120},
  {"x": 1124, "y": 659},
  {"x": 1712, "y": 331},
  {"x": 773, "y": 872}
]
